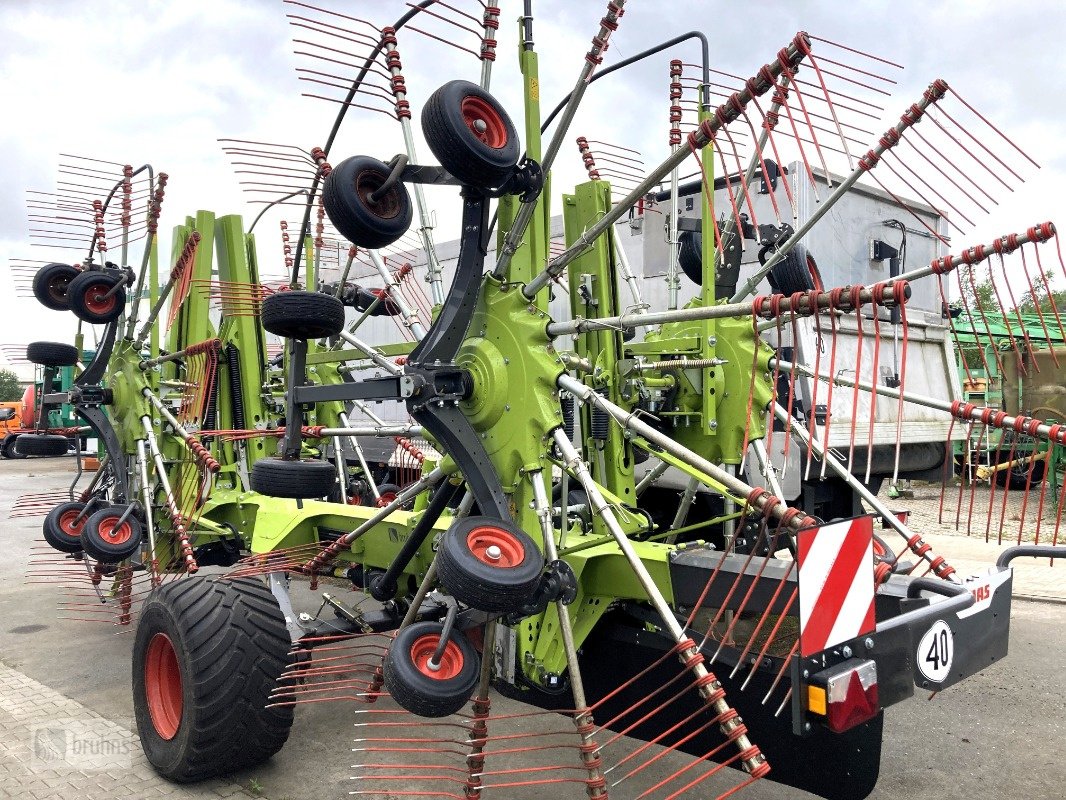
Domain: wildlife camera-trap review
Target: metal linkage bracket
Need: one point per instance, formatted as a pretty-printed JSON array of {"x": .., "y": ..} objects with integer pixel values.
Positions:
[{"x": 557, "y": 584}]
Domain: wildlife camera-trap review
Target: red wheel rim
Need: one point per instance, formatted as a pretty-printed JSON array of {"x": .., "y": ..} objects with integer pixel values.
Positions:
[
  {"x": 162, "y": 685},
  {"x": 385, "y": 207},
  {"x": 385, "y": 499},
  {"x": 451, "y": 660},
  {"x": 484, "y": 121},
  {"x": 97, "y": 302},
  {"x": 113, "y": 533},
  {"x": 70, "y": 524},
  {"x": 496, "y": 547}
]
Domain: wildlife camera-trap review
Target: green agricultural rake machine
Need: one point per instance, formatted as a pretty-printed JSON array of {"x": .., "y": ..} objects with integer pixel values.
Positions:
[{"x": 598, "y": 527}]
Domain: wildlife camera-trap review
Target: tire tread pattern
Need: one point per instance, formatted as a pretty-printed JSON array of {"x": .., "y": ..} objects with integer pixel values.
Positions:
[{"x": 235, "y": 641}]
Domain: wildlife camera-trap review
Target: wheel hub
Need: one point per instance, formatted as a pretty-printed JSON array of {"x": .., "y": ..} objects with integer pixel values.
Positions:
[{"x": 163, "y": 686}]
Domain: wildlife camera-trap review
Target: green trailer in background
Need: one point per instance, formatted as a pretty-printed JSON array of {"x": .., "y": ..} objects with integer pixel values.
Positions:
[{"x": 1015, "y": 363}]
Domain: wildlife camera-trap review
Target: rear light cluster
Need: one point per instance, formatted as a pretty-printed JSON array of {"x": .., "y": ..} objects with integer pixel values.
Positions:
[{"x": 844, "y": 695}]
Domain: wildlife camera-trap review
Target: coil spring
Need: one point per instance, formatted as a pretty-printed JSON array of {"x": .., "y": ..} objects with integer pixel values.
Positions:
[
  {"x": 567, "y": 402},
  {"x": 233, "y": 369},
  {"x": 600, "y": 420},
  {"x": 211, "y": 414}
]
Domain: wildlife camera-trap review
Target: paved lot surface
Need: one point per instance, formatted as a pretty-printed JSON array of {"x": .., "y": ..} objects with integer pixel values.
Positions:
[{"x": 66, "y": 710}]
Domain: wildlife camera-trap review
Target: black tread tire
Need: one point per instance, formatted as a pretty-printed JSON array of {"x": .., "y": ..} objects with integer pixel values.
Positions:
[
  {"x": 8, "y": 449},
  {"x": 457, "y": 148},
  {"x": 232, "y": 646},
  {"x": 50, "y": 285},
  {"x": 793, "y": 273},
  {"x": 481, "y": 585},
  {"x": 416, "y": 691},
  {"x": 344, "y": 197},
  {"x": 1018, "y": 477},
  {"x": 96, "y": 545},
  {"x": 42, "y": 444},
  {"x": 54, "y": 533},
  {"x": 296, "y": 480},
  {"x": 385, "y": 489},
  {"x": 303, "y": 315},
  {"x": 83, "y": 290},
  {"x": 690, "y": 255},
  {"x": 52, "y": 354}
]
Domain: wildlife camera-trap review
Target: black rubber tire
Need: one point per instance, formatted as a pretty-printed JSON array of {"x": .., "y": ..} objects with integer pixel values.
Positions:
[
  {"x": 1018, "y": 477},
  {"x": 8, "y": 449},
  {"x": 384, "y": 490},
  {"x": 231, "y": 646},
  {"x": 41, "y": 444},
  {"x": 415, "y": 689},
  {"x": 345, "y": 197},
  {"x": 52, "y": 354},
  {"x": 98, "y": 540},
  {"x": 690, "y": 255},
  {"x": 50, "y": 285},
  {"x": 794, "y": 272},
  {"x": 303, "y": 315},
  {"x": 85, "y": 295},
  {"x": 485, "y": 586},
  {"x": 59, "y": 530},
  {"x": 297, "y": 480},
  {"x": 483, "y": 160}
]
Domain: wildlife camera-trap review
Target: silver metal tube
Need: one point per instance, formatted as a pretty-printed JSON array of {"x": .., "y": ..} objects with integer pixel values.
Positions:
[
  {"x": 673, "y": 279},
  {"x": 425, "y": 230},
  {"x": 722, "y": 311},
  {"x": 427, "y": 481},
  {"x": 358, "y": 448},
  {"x": 653, "y": 475},
  {"x": 572, "y": 460},
  {"x": 372, "y": 353},
  {"x": 701, "y": 137},
  {"x": 566, "y": 630},
  {"x": 342, "y": 472},
  {"x": 766, "y": 467},
  {"x": 687, "y": 497},
  {"x": 410, "y": 318},
  {"x": 1042, "y": 430},
  {"x": 525, "y": 210},
  {"x": 883, "y": 145},
  {"x": 164, "y": 412},
  {"x": 626, "y": 270},
  {"x": 168, "y": 493},
  {"x": 146, "y": 498},
  {"x": 853, "y": 483},
  {"x": 398, "y": 429},
  {"x": 633, "y": 423}
]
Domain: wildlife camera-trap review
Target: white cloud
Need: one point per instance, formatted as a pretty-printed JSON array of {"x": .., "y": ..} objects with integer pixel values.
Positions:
[{"x": 161, "y": 81}]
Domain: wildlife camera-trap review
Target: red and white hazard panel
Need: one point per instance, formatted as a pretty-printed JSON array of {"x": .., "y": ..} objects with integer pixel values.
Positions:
[{"x": 836, "y": 583}]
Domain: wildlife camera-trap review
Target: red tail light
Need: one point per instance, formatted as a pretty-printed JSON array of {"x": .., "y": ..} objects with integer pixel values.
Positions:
[{"x": 845, "y": 695}]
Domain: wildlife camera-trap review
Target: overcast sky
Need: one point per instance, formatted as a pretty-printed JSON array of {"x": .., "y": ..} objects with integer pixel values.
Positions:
[{"x": 162, "y": 81}]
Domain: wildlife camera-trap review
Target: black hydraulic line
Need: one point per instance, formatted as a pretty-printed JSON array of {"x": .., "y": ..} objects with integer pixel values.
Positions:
[
  {"x": 1033, "y": 550},
  {"x": 305, "y": 226},
  {"x": 625, "y": 62},
  {"x": 959, "y": 598},
  {"x": 384, "y": 587}
]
